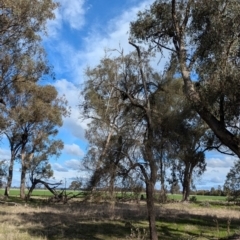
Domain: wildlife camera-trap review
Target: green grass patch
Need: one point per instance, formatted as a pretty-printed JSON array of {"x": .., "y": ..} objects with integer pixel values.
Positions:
[
  {"x": 178, "y": 197},
  {"x": 39, "y": 192}
]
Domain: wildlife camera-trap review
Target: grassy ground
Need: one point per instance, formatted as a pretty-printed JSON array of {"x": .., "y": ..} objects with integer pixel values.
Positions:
[
  {"x": 199, "y": 197},
  {"x": 46, "y": 193},
  {"x": 106, "y": 221}
]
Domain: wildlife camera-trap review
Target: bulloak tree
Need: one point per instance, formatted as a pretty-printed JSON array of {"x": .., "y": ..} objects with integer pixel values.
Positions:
[{"x": 202, "y": 38}]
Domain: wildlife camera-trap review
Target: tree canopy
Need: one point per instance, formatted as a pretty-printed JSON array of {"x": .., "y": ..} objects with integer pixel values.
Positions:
[{"x": 203, "y": 40}]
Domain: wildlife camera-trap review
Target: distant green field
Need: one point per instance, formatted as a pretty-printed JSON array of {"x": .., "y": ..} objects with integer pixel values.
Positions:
[
  {"x": 36, "y": 192},
  {"x": 46, "y": 193},
  {"x": 199, "y": 197}
]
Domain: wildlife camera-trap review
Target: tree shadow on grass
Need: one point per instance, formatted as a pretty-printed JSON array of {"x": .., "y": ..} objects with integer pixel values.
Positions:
[
  {"x": 200, "y": 226},
  {"x": 101, "y": 221},
  {"x": 60, "y": 225}
]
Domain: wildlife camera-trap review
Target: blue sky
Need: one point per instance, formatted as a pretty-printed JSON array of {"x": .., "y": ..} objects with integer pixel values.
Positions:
[{"x": 77, "y": 38}]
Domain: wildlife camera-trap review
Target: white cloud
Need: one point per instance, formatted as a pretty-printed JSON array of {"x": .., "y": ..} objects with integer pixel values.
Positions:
[
  {"x": 73, "y": 124},
  {"x": 73, "y": 12},
  {"x": 226, "y": 162},
  {"x": 73, "y": 164},
  {"x": 218, "y": 165},
  {"x": 74, "y": 61},
  {"x": 113, "y": 35},
  {"x": 73, "y": 149},
  {"x": 70, "y": 12},
  {"x": 216, "y": 179},
  {"x": 59, "y": 168},
  {"x": 70, "y": 174}
]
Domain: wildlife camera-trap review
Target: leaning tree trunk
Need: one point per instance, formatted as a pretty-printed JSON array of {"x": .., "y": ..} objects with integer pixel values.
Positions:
[
  {"x": 232, "y": 141},
  {"x": 34, "y": 183},
  {"x": 10, "y": 176}
]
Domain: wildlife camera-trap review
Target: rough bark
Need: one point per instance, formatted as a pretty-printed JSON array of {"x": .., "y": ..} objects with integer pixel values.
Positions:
[
  {"x": 162, "y": 195},
  {"x": 151, "y": 210},
  {"x": 23, "y": 181},
  {"x": 226, "y": 137},
  {"x": 186, "y": 185},
  {"x": 150, "y": 183},
  {"x": 111, "y": 187},
  {"x": 10, "y": 176}
]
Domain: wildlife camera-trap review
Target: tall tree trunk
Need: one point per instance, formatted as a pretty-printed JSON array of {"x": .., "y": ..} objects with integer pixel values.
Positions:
[
  {"x": 162, "y": 196},
  {"x": 186, "y": 184},
  {"x": 151, "y": 210},
  {"x": 10, "y": 175},
  {"x": 111, "y": 187},
  {"x": 23, "y": 181}
]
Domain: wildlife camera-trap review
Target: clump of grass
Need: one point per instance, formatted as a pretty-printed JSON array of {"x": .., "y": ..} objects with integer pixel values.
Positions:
[
  {"x": 138, "y": 233},
  {"x": 10, "y": 232}
]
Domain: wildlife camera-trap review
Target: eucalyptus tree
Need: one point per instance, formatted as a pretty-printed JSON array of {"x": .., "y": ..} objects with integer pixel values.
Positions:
[
  {"x": 3, "y": 172},
  {"x": 189, "y": 151},
  {"x": 121, "y": 97},
  {"x": 76, "y": 184},
  {"x": 22, "y": 57},
  {"x": 32, "y": 114},
  {"x": 103, "y": 105},
  {"x": 232, "y": 182},
  {"x": 41, "y": 117},
  {"x": 35, "y": 154},
  {"x": 202, "y": 38},
  {"x": 39, "y": 168},
  {"x": 15, "y": 140},
  {"x": 169, "y": 102}
]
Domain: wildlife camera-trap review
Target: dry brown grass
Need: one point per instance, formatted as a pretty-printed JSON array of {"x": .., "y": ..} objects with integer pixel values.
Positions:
[
  {"x": 81, "y": 220},
  {"x": 187, "y": 208}
]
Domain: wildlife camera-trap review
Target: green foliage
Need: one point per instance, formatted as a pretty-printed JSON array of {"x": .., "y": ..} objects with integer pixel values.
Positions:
[
  {"x": 175, "y": 188},
  {"x": 203, "y": 40},
  {"x": 75, "y": 185},
  {"x": 22, "y": 57},
  {"x": 3, "y": 172},
  {"x": 232, "y": 183},
  {"x": 193, "y": 199}
]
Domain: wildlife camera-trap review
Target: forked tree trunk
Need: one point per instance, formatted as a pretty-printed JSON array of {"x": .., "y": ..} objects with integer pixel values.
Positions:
[
  {"x": 186, "y": 185},
  {"x": 151, "y": 210}
]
